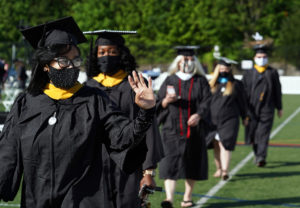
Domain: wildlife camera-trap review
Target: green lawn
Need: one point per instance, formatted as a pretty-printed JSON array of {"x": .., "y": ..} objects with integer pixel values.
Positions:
[
  {"x": 277, "y": 183},
  {"x": 264, "y": 187}
]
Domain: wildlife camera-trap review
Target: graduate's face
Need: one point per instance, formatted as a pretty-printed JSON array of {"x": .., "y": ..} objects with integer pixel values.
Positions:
[
  {"x": 107, "y": 50},
  {"x": 223, "y": 68},
  {"x": 261, "y": 59},
  {"x": 72, "y": 55},
  {"x": 186, "y": 64},
  {"x": 109, "y": 59},
  {"x": 63, "y": 71}
]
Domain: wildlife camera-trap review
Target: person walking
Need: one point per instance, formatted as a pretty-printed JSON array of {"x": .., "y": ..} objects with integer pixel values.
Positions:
[
  {"x": 263, "y": 91},
  {"x": 52, "y": 138},
  {"x": 109, "y": 65},
  {"x": 228, "y": 103},
  {"x": 21, "y": 74},
  {"x": 182, "y": 109}
]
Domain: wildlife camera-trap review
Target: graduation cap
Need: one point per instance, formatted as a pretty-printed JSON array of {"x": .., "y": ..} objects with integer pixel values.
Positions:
[
  {"x": 261, "y": 45},
  {"x": 61, "y": 31},
  {"x": 261, "y": 48},
  {"x": 110, "y": 37},
  {"x": 226, "y": 61},
  {"x": 186, "y": 50}
]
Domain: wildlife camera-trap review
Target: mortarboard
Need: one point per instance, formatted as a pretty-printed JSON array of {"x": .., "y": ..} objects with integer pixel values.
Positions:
[
  {"x": 186, "y": 50},
  {"x": 110, "y": 37},
  {"x": 226, "y": 61},
  {"x": 61, "y": 31},
  {"x": 261, "y": 48},
  {"x": 261, "y": 45}
]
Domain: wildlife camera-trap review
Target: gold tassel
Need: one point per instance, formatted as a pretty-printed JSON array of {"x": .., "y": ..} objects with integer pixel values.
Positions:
[{"x": 261, "y": 96}]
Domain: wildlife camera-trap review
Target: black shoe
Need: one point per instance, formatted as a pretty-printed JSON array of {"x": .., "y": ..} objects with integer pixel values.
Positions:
[
  {"x": 166, "y": 204},
  {"x": 261, "y": 164}
]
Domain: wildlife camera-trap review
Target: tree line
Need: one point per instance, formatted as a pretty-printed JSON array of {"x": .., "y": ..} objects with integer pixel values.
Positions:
[{"x": 161, "y": 25}]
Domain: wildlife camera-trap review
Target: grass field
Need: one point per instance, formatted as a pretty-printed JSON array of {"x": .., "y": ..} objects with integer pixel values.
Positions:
[{"x": 276, "y": 185}]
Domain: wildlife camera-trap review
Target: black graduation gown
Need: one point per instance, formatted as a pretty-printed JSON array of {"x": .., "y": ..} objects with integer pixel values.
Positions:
[
  {"x": 225, "y": 113},
  {"x": 123, "y": 187},
  {"x": 185, "y": 158},
  {"x": 61, "y": 164},
  {"x": 263, "y": 93}
]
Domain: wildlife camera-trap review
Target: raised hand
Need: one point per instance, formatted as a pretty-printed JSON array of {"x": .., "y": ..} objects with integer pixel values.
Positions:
[{"x": 144, "y": 95}]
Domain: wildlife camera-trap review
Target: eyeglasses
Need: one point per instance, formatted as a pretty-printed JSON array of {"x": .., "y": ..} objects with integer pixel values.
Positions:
[{"x": 64, "y": 62}]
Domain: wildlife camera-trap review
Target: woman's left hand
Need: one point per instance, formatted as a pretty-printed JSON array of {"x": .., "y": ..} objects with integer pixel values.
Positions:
[
  {"x": 194, "y": 120},
  {"x": 147, "y": 180},
  {"x": 144, "y": 95}
]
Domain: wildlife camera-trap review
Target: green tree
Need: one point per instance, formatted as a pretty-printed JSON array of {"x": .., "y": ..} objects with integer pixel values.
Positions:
[
  {"x": 161, "y": 25},
  {"x": 20, "y": 13},
  {"x": 289, "y": 40}
]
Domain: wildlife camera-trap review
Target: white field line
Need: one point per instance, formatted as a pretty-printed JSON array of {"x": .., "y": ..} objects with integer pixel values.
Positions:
[
  {"x": 9, "y": 205},
  {"x": 222, "y": 183}
]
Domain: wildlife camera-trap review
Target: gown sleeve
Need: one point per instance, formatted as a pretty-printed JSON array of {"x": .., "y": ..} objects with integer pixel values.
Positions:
[
  {"x": 160, "y": 111},
  {"x": 121, "y": 133},
  {"x": 241, "y": 99},
  {"x": 153, "y": 142},
  {"x": 203, "y": 101},
  {"x": 247, "y": 90},
  {"x": 278, "y": 93},
  {"x": 245, "y": 85},
  {"x": 155, "y": 151},
  {"x": 11, "y": 166}
]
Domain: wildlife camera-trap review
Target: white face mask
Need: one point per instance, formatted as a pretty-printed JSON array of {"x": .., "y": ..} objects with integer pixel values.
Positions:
[
  {"x": 188, "y": 66},
  {"x": 261, "y": 61}
]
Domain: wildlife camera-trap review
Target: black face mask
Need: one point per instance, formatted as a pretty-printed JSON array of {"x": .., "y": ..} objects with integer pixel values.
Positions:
[
  {"x": 224, "y": 74},
  {"x": 109, "y": 64},
  {"x": 64, "y": 78}
]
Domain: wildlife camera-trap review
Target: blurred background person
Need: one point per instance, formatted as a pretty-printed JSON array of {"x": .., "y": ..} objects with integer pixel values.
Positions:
[
  {"x": 21, "y": 73},
  {"x": 110, "y": 63},
  {"x": 182, "y": 109},
  {"x": 263, "y": 91},
  {"x": 228, "y": 103},
  {"x": 3, "y": 70}
]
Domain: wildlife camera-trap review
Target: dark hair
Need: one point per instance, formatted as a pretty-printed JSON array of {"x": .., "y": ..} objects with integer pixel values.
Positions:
[
  {"x": 128, "y": 62},
  {"x": 41, "y": 57}
]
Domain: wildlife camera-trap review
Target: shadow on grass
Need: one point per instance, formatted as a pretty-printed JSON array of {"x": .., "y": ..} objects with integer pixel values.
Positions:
[
  {"x": 246, "y": 176},
  {"x": 284, "y": 202},
  {"x": 281, "y": 164}
]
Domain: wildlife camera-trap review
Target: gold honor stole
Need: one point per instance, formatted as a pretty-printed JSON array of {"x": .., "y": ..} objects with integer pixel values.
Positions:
[
  {"x": 110, "y": 81},
  {"x": 59, "y": 93}
]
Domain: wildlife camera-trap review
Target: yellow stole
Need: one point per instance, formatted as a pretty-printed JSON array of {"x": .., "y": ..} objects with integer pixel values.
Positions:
[
  {"x": 260, "y": 69},
  {"x": 110, "y": 81},
  {"x": 59, "y": 93}
]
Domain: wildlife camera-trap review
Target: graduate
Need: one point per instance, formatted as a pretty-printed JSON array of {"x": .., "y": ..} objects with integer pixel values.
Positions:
[
  {"x": 228, "y": 103},
  {"x": 53, "y": 135},
  {"x": 183, "y": 110},
  {"x": 110, "y": 63},
  {"x": 263, "y": 91}
]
